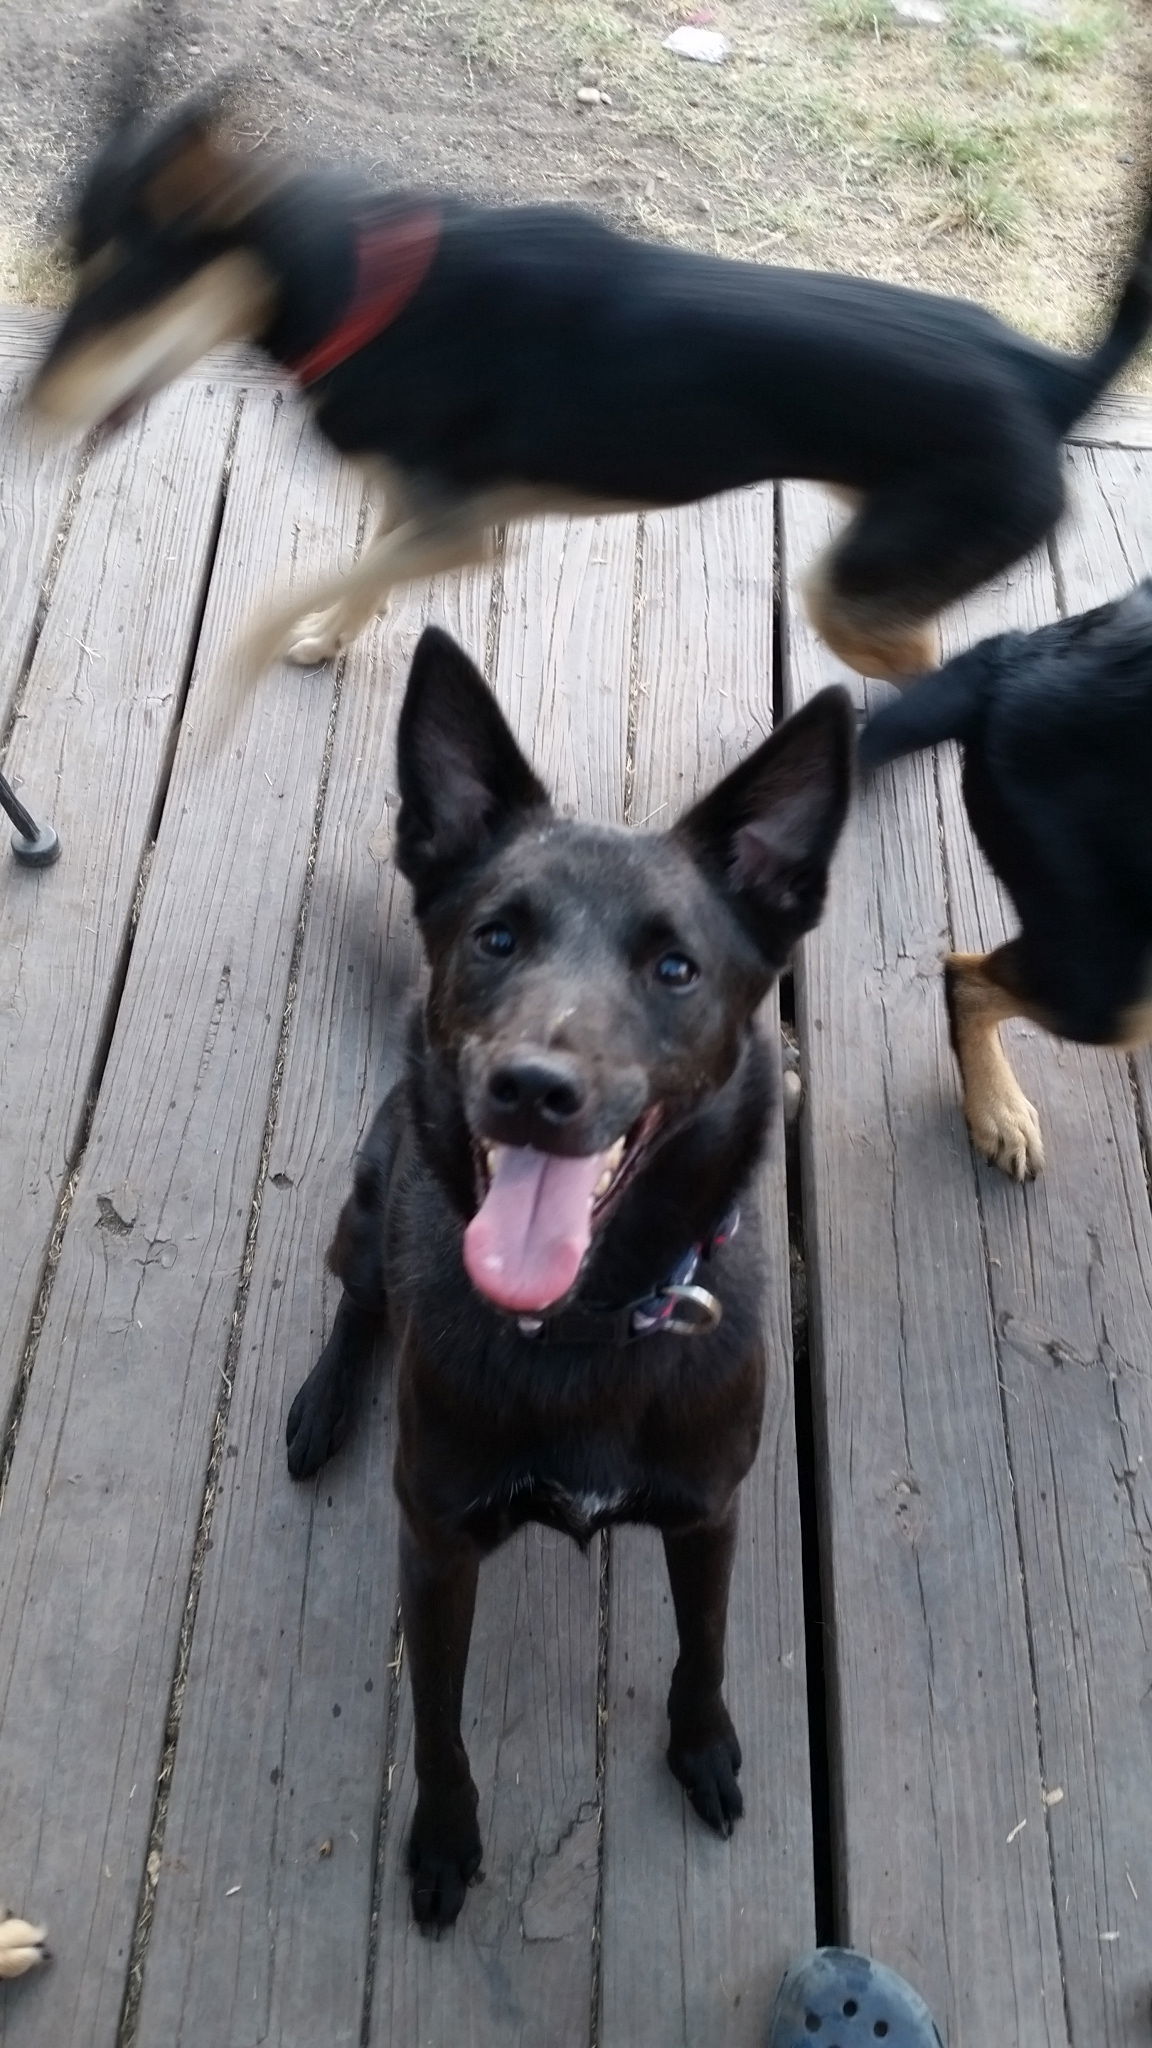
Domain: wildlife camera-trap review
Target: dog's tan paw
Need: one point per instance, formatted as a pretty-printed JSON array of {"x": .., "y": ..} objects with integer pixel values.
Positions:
[
  {"x": 21, "y": 1945},
  {"x": 314, "y": 639},
  {"x": 1006, "y": 1129}
]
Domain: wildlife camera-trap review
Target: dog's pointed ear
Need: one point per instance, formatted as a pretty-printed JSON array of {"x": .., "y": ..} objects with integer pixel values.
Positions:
[
  {"x": 463, "y": 781},
  {"x": 767, "y": 833},
  {"x": 195, "y": 173}
]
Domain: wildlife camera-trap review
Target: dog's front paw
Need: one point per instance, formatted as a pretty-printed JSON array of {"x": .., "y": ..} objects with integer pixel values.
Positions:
[
  {"x": 21, "y": 1945},
  {"x": 708, "y": 1771},
  {"x": 1006, "y": 1129},
  {"x": 314, "y": 638},
  {"x": 317, "y": 1425},
  {"x": 444, "y": 1851}
]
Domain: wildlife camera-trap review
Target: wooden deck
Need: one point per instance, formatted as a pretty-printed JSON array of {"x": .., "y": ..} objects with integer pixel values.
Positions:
[{"x": 941, "y": 1652}]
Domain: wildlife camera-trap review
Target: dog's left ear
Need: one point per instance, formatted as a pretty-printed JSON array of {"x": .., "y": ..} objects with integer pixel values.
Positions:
[
  {"x": 767, "y": 833},
  {"x": 194, "y": 172},
  {"x": 464, "y": 784}
]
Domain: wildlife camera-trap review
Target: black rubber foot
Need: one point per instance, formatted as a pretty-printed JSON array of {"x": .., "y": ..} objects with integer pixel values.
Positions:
[
  {"x": 39, "y": 851},
  {"x": 835, "y": 1998}
]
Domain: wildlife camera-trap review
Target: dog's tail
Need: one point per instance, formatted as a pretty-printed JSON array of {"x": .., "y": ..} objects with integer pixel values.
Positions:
[
  {"x": 1130, "y": 327},
  {"x": 947, "y": 705}
]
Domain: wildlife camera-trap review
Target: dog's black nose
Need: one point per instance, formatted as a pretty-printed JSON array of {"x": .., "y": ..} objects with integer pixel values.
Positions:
[{"x": 542, "y": 1087}]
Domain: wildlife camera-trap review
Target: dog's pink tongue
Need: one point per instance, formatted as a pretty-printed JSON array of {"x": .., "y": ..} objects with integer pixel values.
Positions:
[{"x": 524, "y": 1246}]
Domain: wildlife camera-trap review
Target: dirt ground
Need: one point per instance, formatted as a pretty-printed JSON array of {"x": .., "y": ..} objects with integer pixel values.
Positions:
[{"x": 996, "y": 155}]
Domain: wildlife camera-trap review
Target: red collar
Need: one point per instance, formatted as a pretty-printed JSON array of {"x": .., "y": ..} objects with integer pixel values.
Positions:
[{"x": 393, "y": 257}]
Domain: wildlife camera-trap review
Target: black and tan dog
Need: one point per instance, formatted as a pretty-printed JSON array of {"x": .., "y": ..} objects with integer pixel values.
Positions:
[
  {"x": 543, "y": 1207},
  {"x": 1056, "y": 728},
  {"x": 491, "y": 364}
]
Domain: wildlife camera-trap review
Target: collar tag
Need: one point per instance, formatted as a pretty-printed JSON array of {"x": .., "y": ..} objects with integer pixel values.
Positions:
[{"x": 694, "y": 1311}]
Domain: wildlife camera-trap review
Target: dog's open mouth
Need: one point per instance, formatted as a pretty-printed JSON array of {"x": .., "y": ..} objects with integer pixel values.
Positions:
[{"x": 538, "y": 1214}]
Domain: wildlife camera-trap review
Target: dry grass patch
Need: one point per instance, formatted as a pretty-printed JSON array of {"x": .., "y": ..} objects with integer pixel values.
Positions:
[{"x": 998, "y": 156}]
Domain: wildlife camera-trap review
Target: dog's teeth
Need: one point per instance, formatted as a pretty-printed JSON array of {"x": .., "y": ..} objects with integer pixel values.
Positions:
[{"x": 612, "y": 1158}]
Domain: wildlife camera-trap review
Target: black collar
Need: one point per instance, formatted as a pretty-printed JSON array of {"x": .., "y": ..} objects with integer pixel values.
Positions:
[{"x": 679, "y": 1307}]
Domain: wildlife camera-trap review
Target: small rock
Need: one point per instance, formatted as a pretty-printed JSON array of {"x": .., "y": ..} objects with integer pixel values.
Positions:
[
  {"x": 702, "y": 205},
  {"x": 702, "y": 45},
  {"x": 591, "y": 96},
  {"x": 919, "y": 13},
  {"x": 1004, "y": 44}
]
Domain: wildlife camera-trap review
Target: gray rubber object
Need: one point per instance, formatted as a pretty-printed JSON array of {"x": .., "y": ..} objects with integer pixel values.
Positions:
[{"x": 835, "y": 1998}]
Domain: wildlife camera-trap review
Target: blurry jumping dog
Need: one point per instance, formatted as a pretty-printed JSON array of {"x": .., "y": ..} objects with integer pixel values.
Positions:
[
  {"x": 544, "y": 1205},
  {"x": 1056, "y": 728},
  {"x": 493, "y": 364}
]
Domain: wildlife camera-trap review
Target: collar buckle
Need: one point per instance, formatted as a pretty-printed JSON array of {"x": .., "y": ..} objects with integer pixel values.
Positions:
[{"x": 695, "y": 1311}]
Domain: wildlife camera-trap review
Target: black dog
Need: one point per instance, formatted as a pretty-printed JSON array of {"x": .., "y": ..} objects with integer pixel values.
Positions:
[
  {"x": 495, "y": 363},
  {"x": 1056, "y": 728},
  {"x": 543, "y": 1204}
]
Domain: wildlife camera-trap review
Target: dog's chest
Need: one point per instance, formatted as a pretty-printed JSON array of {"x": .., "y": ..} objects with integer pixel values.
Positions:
[{"x": 576, "y": 1510}]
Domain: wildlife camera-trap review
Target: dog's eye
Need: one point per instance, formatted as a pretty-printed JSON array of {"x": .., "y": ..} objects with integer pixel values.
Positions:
[
  {"x": 676, "y": 971},
  {"x": 496, "y": 940}
]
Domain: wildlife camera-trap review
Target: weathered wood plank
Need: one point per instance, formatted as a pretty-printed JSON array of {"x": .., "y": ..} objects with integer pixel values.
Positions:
[
  {"x": 518, "y": 1968},
  {"x": 1121, "y": 420},
  {"x": 90, "y": 745},
  {"x": 1070, "y": 1263},
  {"x": 259, "y": 1933},
  {"x": 935, "y": 1746},
  {"x": 696, "y": 1931},
  {"x": 35, "y": 483},
  {"x": 109, "y": 1465}
]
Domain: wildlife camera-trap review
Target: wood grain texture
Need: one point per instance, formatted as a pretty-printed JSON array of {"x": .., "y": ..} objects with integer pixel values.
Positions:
[
  {"x": 109, "y": 1465},
  {"x": 564, "y": 654},
  {"x": 697, "y": 1931},
  {"x": 35, "y": 483},
  {"x": 260, "y": 1930},
  {"x": 90, "y": 746},
  {"x": 936, "y": 1756},
  {"x": 1122, "y": 420}
]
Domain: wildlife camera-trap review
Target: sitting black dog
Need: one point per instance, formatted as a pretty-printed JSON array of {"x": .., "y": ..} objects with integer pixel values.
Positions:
[
  {"x": 1056, "y": 728},
  {"x": 544, "y": 1204}
]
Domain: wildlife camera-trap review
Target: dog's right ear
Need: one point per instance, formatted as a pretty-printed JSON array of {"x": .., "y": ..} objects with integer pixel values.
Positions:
[{"x": 464, "y": 784}]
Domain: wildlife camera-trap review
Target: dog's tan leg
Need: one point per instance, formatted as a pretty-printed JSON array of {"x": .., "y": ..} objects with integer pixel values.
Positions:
[
  {"x": 402, "y": 549},
  {"x": 21, "y": 1945},
  {"x": 867, "y": 639},
  {"x": 1002, "y": 1121},
  {"x": 396, "y": 554}
]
